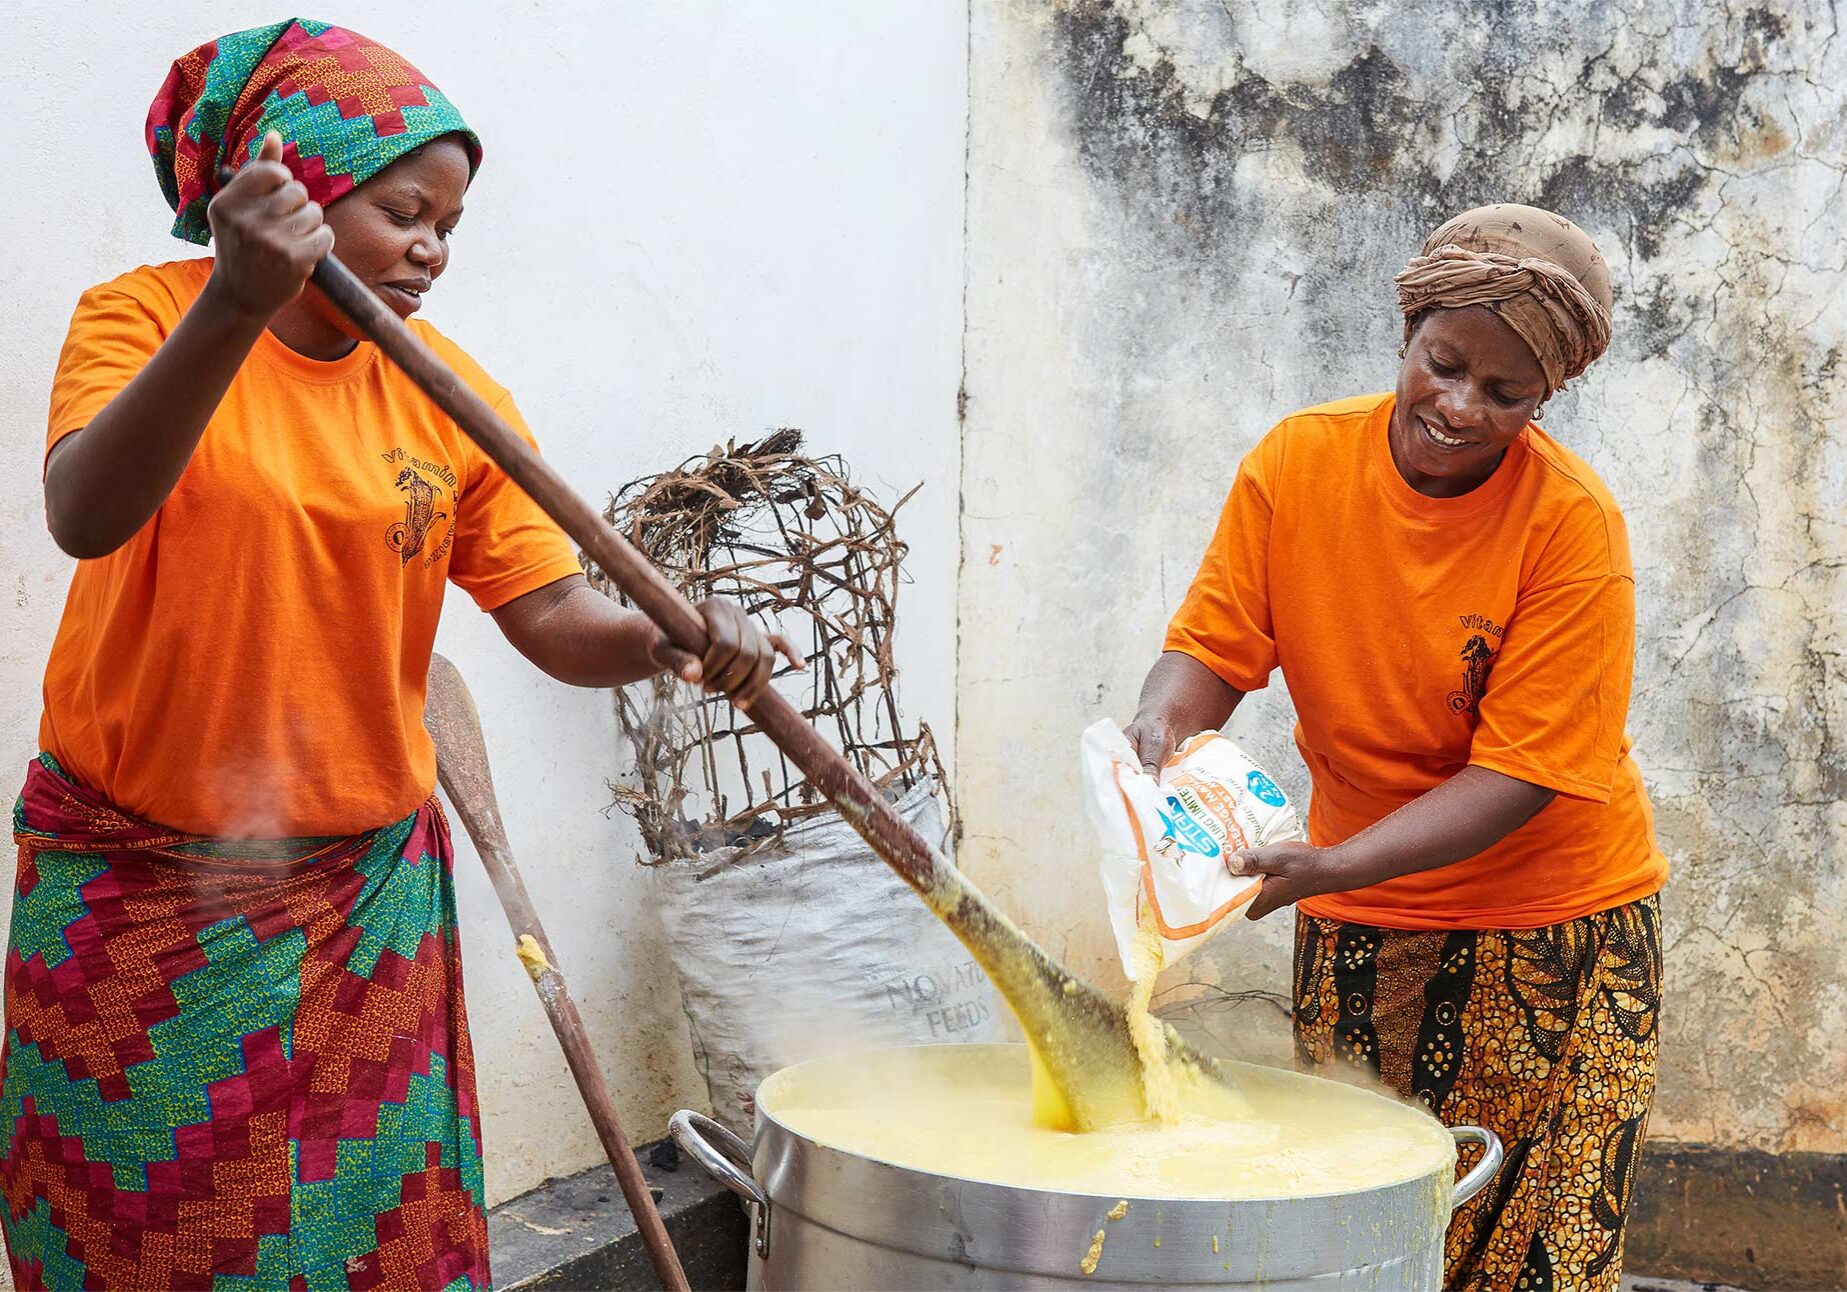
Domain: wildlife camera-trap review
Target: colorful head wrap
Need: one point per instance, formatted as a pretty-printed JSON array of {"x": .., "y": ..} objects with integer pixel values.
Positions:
[
  {"x": 1538, "y": 271},
  {"x": 345, "y": 106}
]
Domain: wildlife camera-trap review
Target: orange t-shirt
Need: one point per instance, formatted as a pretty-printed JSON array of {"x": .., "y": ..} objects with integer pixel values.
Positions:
[
  {"x": 1421, "y": 635},
  {"x": 251, "y": 663}
]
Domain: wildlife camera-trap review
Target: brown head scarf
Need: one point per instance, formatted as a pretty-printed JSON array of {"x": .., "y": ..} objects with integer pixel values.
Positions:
[{"x": 1540, "y": 272}]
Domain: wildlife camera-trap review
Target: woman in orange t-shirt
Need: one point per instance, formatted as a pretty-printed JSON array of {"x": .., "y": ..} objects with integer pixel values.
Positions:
[
  {"x": 236, "y": 1043},
  {"x": 1447, "y": 591}
]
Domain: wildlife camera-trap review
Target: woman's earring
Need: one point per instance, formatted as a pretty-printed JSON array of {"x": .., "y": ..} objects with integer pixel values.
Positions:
[{"x": 1539, "y": 410}]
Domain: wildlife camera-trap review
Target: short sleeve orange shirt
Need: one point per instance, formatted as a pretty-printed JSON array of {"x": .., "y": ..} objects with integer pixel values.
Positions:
[
  {"x": 251, "y": 663},
  {"x": 1421, "y": 635}
]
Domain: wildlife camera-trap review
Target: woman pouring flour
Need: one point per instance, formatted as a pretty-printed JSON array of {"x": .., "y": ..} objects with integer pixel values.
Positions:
[
  {"x": 237, "y": 1051},
  {"x": 1448, "y": 593}
]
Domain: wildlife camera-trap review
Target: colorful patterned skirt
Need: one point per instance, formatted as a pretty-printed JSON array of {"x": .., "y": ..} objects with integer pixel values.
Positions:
[
  {"x": 235, "y": 1066},
  {"x": 1545, "y": 1036}
]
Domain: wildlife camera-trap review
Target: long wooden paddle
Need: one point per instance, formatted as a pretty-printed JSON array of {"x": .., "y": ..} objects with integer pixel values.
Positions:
[
  {"x": 461, "y": 765},
  {"x": 1079, "y": 1035}
]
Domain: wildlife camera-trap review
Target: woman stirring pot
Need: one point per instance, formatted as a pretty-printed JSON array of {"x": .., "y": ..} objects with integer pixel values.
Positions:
[
  {"x": 237, "y": 1052},
  {"x": 1448, "y": 593}
]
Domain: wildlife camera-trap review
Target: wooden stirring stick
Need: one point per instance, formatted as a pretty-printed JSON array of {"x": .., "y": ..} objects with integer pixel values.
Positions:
[
  {"x": 461, "y": 766},
  {"x": 1079, "y": 1035}
]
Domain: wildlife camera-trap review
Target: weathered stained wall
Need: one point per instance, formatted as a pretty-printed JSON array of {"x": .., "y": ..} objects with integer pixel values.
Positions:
[
  {"x": 1184, "y": 218},
  {"x": 694, "y": 221}
]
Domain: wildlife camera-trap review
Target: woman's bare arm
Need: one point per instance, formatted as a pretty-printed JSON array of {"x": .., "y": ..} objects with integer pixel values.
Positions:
[{"x": 104, "y": 482}]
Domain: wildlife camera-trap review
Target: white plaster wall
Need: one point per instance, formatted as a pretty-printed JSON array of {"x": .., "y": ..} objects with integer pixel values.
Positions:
[
  {"x": 1184, "y": 218},
  {"x": 695, "y": 221}
]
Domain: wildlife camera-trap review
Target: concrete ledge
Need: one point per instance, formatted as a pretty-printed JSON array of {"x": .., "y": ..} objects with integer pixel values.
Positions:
[
  {"x": 576, "y": 1233},
  {"x": 1765, "y": 1221}
]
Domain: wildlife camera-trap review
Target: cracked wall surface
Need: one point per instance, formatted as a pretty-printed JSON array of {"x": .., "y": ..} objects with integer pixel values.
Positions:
[{"x": 1183, "y": 220}]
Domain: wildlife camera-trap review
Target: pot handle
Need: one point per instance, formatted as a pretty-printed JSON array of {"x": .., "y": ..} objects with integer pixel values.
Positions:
[
  {"x": 1477, "y": 1179},
  {"x": 728, "y": 1162}
]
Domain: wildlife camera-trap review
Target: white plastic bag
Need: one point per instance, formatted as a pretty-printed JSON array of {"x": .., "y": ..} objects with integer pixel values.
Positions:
[
  {"x": 810, "y": 945},
  {"x": 1165, "y": 842}
]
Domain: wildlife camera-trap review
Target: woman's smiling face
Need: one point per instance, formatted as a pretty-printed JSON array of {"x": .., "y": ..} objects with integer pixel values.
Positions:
[{"x": 1467, "y": 388}]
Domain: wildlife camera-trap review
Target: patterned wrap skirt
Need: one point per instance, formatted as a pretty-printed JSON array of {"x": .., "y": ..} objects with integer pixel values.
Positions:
[
  {"x": 1545, "y": 1036},
  {"x": 235, "y": 1065}
]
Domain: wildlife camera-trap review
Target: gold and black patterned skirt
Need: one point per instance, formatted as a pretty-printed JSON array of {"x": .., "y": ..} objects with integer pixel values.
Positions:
[{"x": 1545, "y": 1036}]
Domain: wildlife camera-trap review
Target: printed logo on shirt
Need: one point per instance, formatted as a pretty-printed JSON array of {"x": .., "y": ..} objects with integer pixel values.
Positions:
[
  {"x": 1477, "y": 658},
  {"x": 428, "y": 488}
]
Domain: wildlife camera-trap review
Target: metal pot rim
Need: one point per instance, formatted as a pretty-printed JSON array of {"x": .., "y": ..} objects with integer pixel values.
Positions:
[
  {"x": 766, "y": 1119},
  {"x": 799, "y": 1185}
]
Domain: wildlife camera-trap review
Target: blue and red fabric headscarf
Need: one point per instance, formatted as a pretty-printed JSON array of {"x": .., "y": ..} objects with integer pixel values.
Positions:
[{"x": 345, "y": 106}]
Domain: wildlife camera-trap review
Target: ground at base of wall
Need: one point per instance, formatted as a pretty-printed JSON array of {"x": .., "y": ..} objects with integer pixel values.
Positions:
[
  {"x": 1630, "y": 1284},
  {"x": 576, "y": 1232},
  {"x": 579, "y": 1236},
  {"x": 1772, "y": 1221}
]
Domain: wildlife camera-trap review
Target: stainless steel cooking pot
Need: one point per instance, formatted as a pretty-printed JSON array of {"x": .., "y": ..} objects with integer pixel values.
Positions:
[{"x": 824, "y": 1217}]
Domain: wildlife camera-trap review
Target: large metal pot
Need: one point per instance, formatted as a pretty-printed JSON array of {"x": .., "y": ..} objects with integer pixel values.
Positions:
[{"x": 824, "y": 1217}]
